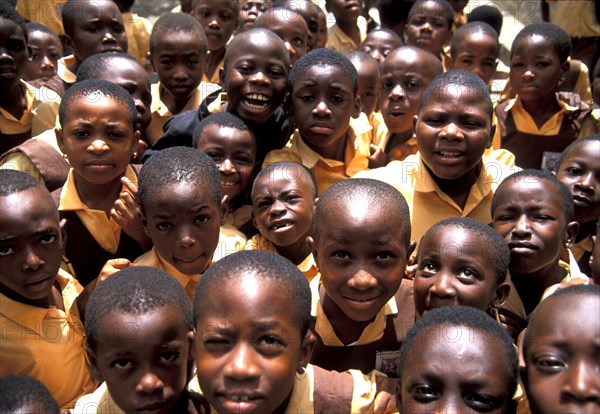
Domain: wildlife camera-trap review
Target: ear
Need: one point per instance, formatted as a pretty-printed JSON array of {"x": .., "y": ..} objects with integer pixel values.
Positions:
[
  {"x": 253, "y": 219},
  {"x": 62, "y": 225},
  {"x": 415, "y": 119},
  {"x": 68, "y": 42},
  {"x": 564, "y": 69},
  {"x": 60, "y": 139},
  {"x": 313, "y": 248},
  {"x": 356, "y": 110},
  {"x": 399, "y": 393},
  {"x": 502, "y": 291},
  {"x": 222, "y": 77},
  {"x": 411, "y": 248},
  {"x": 92, "y": 361},
  {"x": 492, "y": 132},
  {"x": 224, "y": 209},
  {"x": 306, "y": 349},
  {"x": 143, "y": 220},
  {"x": 191, "y": 356},
  {"x": 448, "y": 61},
  {"x": 523, "y": 375},
  {"x": 571, "y": 233}
]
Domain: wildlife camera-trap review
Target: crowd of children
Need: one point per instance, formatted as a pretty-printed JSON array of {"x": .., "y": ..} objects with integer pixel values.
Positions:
[{"x": 189, "y": 210}]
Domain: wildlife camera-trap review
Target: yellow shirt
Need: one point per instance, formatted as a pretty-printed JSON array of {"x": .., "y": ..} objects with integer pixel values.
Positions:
[
  {"x": 372, "y": 332},
  {"x": 240, "y": 216},
  {"x": 215, "y": 78},
  {"x": 62, "y": 69},
  {"x": 46, "y": 12},
  {"x": 428, "y": 204},
  {"x": 104, "y": 229},
  {"x": 327, "y": 171},
  {"x": 39, "y": 115},
  {"x": 308, "y": 265},
  {"x": 138, "y": 31},
  {"x": 576, "y": 17},
  {"x": 161, "y": 114},
  {"x": 231, "y": 240},
  {"x": 153, "y": 259},
  {"x": 47, "y": 344},
  {"x": 340, "y": 42}
]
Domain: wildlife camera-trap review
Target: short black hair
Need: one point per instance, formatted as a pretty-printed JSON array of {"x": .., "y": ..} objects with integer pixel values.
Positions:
[
  {"x": 38, "y": 27},
  {"x": 224, "y": 120},
  {"x": 96, "y": 66},
  {"x": 20, "y": 391},
  {"x": 488, "y": 14},
  {"x": 173, "y": 23},
  {"x": 135, "y": 290},
  {"x": 247, "y": 36},
  {"x": 462, "y": 79},
  {"x": 392, "y": 12},
  {"x": 70, "y": 12},
  {"x": 8, "y": 12},
  {"x": 380, "y": 196},
  {"x": 559, "y": 40},
  {"x": 94, "y": 89},
  {"x": 285, "y": 12},
  {"x": 390, "y": 32},
  {"x": 468, "y": 29},
  {"x": 472, "y": 319},
  {"x": 13, "y": 182},
  {"x": 310, "y": 18},
  {"x": 323, "y": 57},
  {"x": 448, "y": 11},
  {"x": 526, "y": 175},
  {"x": 295, "y": 170},
  {"x": 263, "y": 265},
  {"x": 177, "y": 165},
  {"x": 361, "y": 57},
  {"x": 577, "y": 143},
  {"x": 576, "y": 291},
  {"x": 493, "y": 246}
]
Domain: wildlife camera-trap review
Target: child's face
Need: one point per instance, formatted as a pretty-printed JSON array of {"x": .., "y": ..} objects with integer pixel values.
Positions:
[
  {"x": 98, "y": 28},
  {"x": 529, "y": 214},
  {"x": 346, "y": 10},
  {"x": 428, "y": 28},
  {"x": 183, "y": 222},
  {"x": 98, "y": 138},
  {"x": 45, "y": 52},
  {"x": 322, "y": 103},
  {"x": 379, "y": 44},
  {"x": 234, "y": 152},
  {"x": 284, "y": 205},
  {"x": 453, "y": 129},
  {"x": 251, "y": 10},
  {"x": 362, "y": 256},
  {"x": 132, "y": 77},
  {"x": 322, "y": 32},
  {"x": 13, "y": 50},
  {"x": 464, "y": 374},
  {"x": 368, "y": 85},
  {"x": 535, "y": 69},
  {"x": 404, "y": 78},
  {"x": 562, "y": 366},
  {"x": 248, "y": 346},
  {"x": 179, "y": 60},
  {"x": 255, "y": 77},
  {"x": 30, "y": 245},
  {"x": 310, "y": 12},
  {"x": 218, "y": 18},
  {"x": 143, "y": 358},
  {"x": 454, "y": 269},
  {"x": 580, "y": 171},
  {"x": 292, "y": 29},
  {"x": 477, "y": 53}
]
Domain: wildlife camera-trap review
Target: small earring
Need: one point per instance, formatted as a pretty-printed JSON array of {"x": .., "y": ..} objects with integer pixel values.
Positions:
[
  {"x": 492, "y": 310},
  {"x": 567, "y": 244},
  {"x": 64, "y": 156},
  {"x": 134, "y": 155}
]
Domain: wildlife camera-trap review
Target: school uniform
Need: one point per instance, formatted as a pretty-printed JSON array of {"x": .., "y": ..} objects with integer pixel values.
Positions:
[
  {"x": 138, "y": 31},
  {"x": 161, "y": 113},
  {"x": 327, "y": 171},
  {"x": 240, "y": 216},
  {"x": 428, "y": 203},
  {"x": 64, "y": 78},
  {"x": 517, "y": 131},
  {"x": 92, "y": 237},
  {"x": 378, "y": 345},
  {"x": 340, "y": 42},
  {"x": 39, "y": 157},
  {"x": 215, "y": 78},
  {"x": 231, "y": 240},
  {"x": 46, "y": 12},
  {"x": 308, "y": 266},
  {"x": 39, "y": 115},
  {"x": 47, "y": 344},
  {"x": 317, "y": 390},
  {"x": 382, "y": 135}
]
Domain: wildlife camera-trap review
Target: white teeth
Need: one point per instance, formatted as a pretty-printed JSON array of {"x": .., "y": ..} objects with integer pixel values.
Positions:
[
  {"x": 280, "y": 226},
  {"x": 450, "y": 154},
  {"x": 227, "y": 184},
  {"x": 257, "y": 97}
]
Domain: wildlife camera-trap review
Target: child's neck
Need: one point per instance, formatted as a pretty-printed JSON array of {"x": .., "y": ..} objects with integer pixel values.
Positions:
[
  {"x": 213, "y": 61},
  {"x": 542, "y": 110},
  {"x": 397, "y": 139},
  {"x": 350, "y": 29},
  {"x": 54, "y": 298},
  {"x": 75, "y": 66},
  {"x": 531, "y": 286},
  {"x": 347, "y": 330},
  {"x": 296, "y": 252},
  {"x": 98, "y": 196},
  {"x": 175, "y": 106},
  {"x": 335, "y": 151},
  {"x": 458, "y": 189},
  {"x": 14, "y": 101}
]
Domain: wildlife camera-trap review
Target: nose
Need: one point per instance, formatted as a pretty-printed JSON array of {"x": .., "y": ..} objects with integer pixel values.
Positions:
[
  {"x": 582, "y": 384},
  {"x": 322, "y": 109},
  {"x": 397, "y": 93},
  {"x": 241, "y": 364},
  {"x": 227, "y": 167},
  {"x": 528, "y": 74},
  {"x": 362, "y": 280},
  {"x": 185, "y": 238},
  {"x": 214, "y": 24},
  {"x": 47, "y": 64},
  {"x": 378, "y": 55},
  {"x": 32, "y": 260},
  {"x": 139, "y": 106},
  {"x": 452, "y": 132},
  {"x": 277, "y": 208},
  {"x": 448, "y": 406},
  {"x": 586, "y": 183},
  {"x": 149, "y": 383},
  {"x": 180, "y": 74},
  {"x": 98, "y": 146},
  {"x": 291, "y": 51},
  {"x": 109, "y": 38},
  {"x": 442, "y": 286},
  {"x": 426, "y": 27},
  {"x": 260, "y": 78},
  {"x": 522, "y": 227}
]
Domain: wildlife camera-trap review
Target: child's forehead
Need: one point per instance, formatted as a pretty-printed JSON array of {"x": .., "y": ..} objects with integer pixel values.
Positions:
[
  {"x": 285, "y": 176},
  {"x": 196, "y": 192},
  {"x": 166, "y": 318},
  {"x": 39, "y": 37},
  {"x": 188, "y": 37},
  {"x": 325, "y": 71},
  {"x": 89, "y": 10},
  {"x": 11, "y": 28},
  {"x": 429, "y": 8},
  {"x": 256, "y": 46},
  {"x": 44, "y": 208},
  {"x": 216, "y": 4},
  {"x": 463, "y": 94}
]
